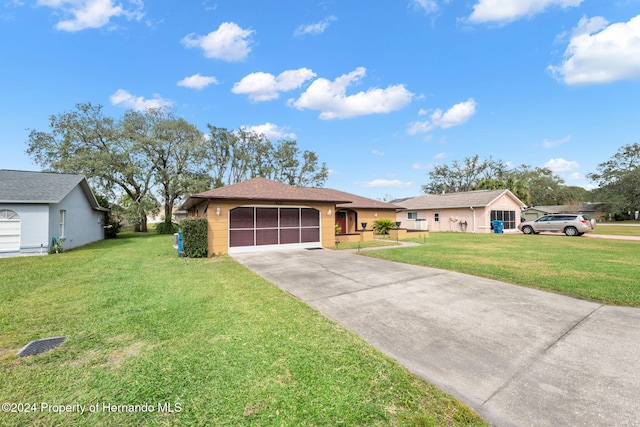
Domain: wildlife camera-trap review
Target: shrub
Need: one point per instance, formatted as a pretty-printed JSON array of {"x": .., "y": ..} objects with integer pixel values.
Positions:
[
  {"x": 56, "y": 246},
  {"x": 194, "y": 237},
  {"x": 382, "y": 226},
  {"x": 112, "y": 225},
  {"x": 168, "y": 226}
]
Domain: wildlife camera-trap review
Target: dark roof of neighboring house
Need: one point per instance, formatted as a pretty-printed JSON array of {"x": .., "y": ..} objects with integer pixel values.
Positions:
[
  {"x": 41, "y": 187},
  {"x": 479, "y": 198},
  {"x": 567, "y": 208},
  {"x": 265, "y": 189}
]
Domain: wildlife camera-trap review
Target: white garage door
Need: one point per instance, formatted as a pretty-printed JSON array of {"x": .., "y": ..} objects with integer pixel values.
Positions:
[
  {"x": 9, "y": 231},
  {"x": 258, "y": 228}
]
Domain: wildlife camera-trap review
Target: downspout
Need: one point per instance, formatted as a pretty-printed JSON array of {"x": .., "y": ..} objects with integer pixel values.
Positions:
[{"x": 474, "y": 218}]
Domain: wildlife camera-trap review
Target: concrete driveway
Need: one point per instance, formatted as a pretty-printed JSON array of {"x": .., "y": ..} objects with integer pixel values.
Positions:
[{"x": 518, "y": 356}]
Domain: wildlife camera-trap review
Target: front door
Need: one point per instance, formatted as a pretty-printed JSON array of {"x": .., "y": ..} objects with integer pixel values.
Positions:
[{"x": 341, "y": 220}]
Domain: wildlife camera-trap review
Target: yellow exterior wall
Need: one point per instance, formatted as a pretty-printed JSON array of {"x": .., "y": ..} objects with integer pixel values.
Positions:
[
  {"x": 366, "y": 215},
  {"x": 218, "y": 225}
]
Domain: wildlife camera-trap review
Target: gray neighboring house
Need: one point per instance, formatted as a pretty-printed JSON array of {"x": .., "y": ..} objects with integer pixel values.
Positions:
[
  {"x": 35, "y": 207},
  {"x": 592, "y": 210}
]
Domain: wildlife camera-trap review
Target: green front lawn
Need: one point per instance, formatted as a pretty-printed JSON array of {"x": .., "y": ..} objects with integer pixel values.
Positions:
[
  {"x": 618, "y": 230},
  {"x": 601, "y": 270},
  {"x": 205, "y": 338}
]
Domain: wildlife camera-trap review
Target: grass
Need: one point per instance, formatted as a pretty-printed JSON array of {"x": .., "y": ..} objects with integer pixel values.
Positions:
[
  {"x": 205, "y": 337},
  {"x": 600, "y": 270},
  {"x": 618, "y": 230},
  {"x": 368, "y": 244}
]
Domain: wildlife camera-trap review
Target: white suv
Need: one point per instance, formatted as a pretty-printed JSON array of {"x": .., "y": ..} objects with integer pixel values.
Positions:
[{"x": 569, "y": 224}]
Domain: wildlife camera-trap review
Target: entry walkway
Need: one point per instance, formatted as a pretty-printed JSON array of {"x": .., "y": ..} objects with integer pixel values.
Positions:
[{"x": 518, "y": 356}]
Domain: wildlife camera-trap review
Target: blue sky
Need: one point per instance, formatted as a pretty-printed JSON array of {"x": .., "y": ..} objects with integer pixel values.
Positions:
[{"x": 381, "y": 90}]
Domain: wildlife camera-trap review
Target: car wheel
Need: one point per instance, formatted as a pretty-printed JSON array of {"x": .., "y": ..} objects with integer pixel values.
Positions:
[
  {"x": 527, "y": 229},
  {"x": 571, "y": 231}
]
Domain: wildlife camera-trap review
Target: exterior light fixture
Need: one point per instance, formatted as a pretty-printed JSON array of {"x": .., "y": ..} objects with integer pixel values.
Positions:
[
  {"x": 329, "y": 212},
  {"x": 218, "y": 211}
]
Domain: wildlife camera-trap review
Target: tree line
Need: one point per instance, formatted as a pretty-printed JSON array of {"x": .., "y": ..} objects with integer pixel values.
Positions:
[{"x": 144, "y": 161}]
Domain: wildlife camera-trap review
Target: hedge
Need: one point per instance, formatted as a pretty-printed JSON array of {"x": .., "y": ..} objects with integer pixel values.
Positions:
[{"x": 194, "y": 237}]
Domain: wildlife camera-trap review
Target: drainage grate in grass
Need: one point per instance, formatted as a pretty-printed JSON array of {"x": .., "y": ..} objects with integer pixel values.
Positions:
[{"x": 40, "y": 346}]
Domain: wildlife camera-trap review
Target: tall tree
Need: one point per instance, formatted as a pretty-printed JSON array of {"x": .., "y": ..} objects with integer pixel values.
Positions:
[
  {"x": 87, "y": 142},
  {"x": 544, "y": 186},
  {"x": 172, "y": 146},
  {"x": 463, "y": 176},
  {"x": 234, "y": 156},
  {"x": 618, "y": 180}
]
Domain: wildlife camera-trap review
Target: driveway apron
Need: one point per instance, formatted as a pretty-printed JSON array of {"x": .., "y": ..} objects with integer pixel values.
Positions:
[{"x": 518, "y": 356}]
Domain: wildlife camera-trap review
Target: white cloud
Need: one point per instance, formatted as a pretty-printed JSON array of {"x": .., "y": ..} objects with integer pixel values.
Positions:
[
  {"x": 420, "y": 166},
  {"x": 197, "y": 81},
  {"x": 561, "y": 165},
  {"x": 441, "y": 156},
  {"x": 601, "y": 53},
  {"x": 271, "y": 131},
  {"x": 123, "y": 98},
  {"x": 549, "y": 144},
  {"x": 428, "y": 6},
  {"x": 265, "y": 86},
  {"x": 385, "y": 183},
  {"x": 229, "y": 42},
  {"x": 377, "y": 153},
  {"x": 317, "y": 28},
  {"x": 455, "y": 116},
  {"x": 330, "y": 98},
  {"x": 85, "y": 14},
  {"x": 504, "y": 11},
  {"x": 576, "y": 176}
]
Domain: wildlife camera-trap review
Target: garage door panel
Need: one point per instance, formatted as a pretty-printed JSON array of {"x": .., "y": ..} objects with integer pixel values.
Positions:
[
  {"x": 310, "y": 217},
  {"x": 267, "y": 237},
  {"x": 241, "y": 218},
  {"x": 288, "y": 236},
  {"x": 9, "y": 230},
  {"x": 241, "y": 238},
  {"x": 289, "y": 217},
  {"x": 266, "y": 217},
  {"x": 310, "y": 235}
]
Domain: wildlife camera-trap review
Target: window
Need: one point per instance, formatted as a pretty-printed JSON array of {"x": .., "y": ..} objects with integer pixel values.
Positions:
[
  {"x": 436, "y": 217},
  {"x": 412, "y": 215},
  {"x": 63, "y": 214},
  {"x": 508, "y": 217}
]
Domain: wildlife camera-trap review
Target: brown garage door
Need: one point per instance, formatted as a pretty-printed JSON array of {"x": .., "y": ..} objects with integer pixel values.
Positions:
[{"x": 254, "y": 228}]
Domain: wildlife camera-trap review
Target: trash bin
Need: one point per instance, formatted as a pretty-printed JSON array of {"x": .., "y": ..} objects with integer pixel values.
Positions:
[
  {"x": 180, "y": 246},
  {"x": 497, "y": 225}
]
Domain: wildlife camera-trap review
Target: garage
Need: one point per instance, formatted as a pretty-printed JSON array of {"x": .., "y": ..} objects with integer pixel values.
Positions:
[
  {"x": 9, "y": 231},
  {"x": 260, "y": 228}
]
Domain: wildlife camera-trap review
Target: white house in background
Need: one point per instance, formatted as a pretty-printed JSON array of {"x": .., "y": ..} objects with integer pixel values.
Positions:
[
  {"x": 35, "y": 207},
  {"x": 470, "y": 211}
]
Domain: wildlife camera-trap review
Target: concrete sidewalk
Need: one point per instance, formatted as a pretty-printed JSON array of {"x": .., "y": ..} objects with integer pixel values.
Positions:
[{"x": 518, "y": 356}]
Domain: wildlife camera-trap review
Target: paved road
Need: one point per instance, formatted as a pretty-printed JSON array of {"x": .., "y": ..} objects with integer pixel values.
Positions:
[{"x": 518, "y": 356}]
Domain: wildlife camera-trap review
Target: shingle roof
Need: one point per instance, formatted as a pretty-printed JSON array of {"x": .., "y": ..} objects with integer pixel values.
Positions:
[
  {"x": 40, "y": 187},
  {"x": 456, "y": 200},
  {"x": 265, "y": 189},
  {"x": 567, "y": 208}
]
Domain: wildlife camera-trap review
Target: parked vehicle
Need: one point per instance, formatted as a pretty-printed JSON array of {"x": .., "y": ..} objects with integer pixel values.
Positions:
[{"x": 569, "y": 224}]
